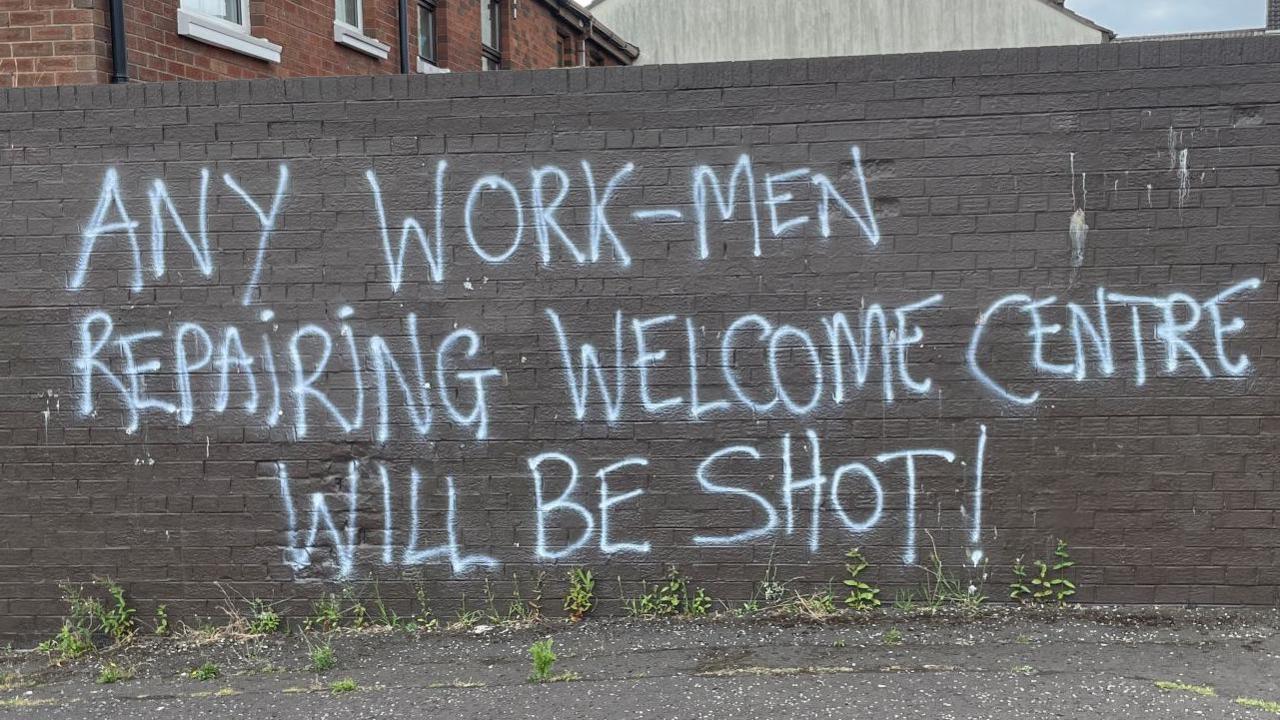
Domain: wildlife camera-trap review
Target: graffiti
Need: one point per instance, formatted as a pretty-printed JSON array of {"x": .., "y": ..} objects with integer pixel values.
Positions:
[
  {"x": 785, "y": 514},
  {"x": 420, "y": 376}
]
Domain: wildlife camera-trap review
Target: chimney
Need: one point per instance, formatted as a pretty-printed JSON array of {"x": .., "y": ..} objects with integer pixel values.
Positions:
[{"x": 1273, "y": 15}]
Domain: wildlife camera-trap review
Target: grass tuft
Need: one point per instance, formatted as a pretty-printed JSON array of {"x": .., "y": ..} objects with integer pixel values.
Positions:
[{"x": 1174, "y": 686}]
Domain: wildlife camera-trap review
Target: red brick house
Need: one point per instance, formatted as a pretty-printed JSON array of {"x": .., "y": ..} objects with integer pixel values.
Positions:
[{"x": 60, "y": 42}]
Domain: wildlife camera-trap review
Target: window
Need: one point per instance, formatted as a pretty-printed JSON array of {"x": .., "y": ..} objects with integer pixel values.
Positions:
[
  {"x": 348, "y": 11},
  {"x": 427, "y": 32},
  {"x": 491, "y": 33},
  {"x": 224, "y": 24},
  {"x": 232, "y": 11},
  {"x": 566, "y": 53},
  {"x": 348, "y": 29}
]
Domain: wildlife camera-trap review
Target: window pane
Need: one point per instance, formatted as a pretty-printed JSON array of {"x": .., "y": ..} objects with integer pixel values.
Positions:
[
  {"x": 228, "y": 10},
  {"x": 490, "y": 22},
  {"x": 349, "y": 12},
  {"x": 489, "y": 64},
  {"x": 426, "y": 33}
]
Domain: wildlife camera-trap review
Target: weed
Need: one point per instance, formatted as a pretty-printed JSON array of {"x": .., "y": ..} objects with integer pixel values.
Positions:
[
  {"x": 904, "y": 601},
  {"x": 207, "y": 671},
  {"x": 113, "y": 672},
  {"x": 15, "y": 681},
  {"x": 1169, "y": 685},
  {"x": 326, "y": 614},
  {"x": 456, "y": 684},
  {"x": 544, "y": 658},
  {"x": 24, "y": 702},
  {"x": 669, "y": 598},
  {"x": 943, "y": 588},
  {"x": 759, "y": 671},
  {"x": 116, "y": 619},
  {"x": 816, "y": 607},
  {"x": 768, "y": 592},
  {"x": 162, "y": 620},
  {"x": 521, "y": 610},
  {"x": 71, "y": 642},
  {"x": 220, "y": 692},
  {"x": 581, "y": 598},
  {"x": 263, "y": 619},
  {"x": 1266, "y": 705},
  {"x": 861, "y": 595},
  {"x": 322, "y": 658},
  {"x": 1023, "y": 670},
  {"x": 839, "y": 643},
  {"x": 345, "y": 685},
  {"x": 424, "y": 618},
  {"x": 359, "y": 613},
  {"x": 75, "y": 638},
  {"x": 465, "y": 619},
  {"x": 893, "y": 636},
  {"x": 700, "y": 604},
  {"x": 517, "y": 611},
  {"x": 385, "y": 617},
  {"x": 1049, "y": 583}
]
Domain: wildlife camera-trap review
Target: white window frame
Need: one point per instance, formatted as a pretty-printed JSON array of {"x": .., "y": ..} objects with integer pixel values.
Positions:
[
  {"x": 353, "y": 36},
  {"x": 359, "y": 23},
  {"x": 236, "y": 37}
]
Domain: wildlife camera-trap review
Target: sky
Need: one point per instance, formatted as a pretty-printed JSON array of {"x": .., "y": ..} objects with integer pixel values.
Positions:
[{"x": 1151, "y": 17}]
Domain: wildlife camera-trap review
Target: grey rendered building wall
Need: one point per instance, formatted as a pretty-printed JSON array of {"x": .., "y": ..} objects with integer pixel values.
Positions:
[
  {"x": 685, "y": 31},
  {"x": 1056, "y": 268}
]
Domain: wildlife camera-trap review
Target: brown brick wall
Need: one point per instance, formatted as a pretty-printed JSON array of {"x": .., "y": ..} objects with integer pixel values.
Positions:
[
  {"x": 63, "y": 42},
  {"x": 303, "y": 28},
  {"x": 52, "y": 42}
]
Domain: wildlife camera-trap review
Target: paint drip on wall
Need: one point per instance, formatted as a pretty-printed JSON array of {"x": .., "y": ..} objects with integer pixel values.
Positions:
[{"x": 1079, "y": 233}]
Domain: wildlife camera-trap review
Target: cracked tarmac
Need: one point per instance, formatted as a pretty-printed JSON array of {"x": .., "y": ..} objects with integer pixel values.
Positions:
[{"x": 1005, "y": 663}]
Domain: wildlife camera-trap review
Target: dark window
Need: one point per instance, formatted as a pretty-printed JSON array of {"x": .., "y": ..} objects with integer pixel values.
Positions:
[
  {"x": 566, "y": 53},
  {"x": 597, "y": 59},
  {"x": 491, "y": 33},
  {"x": 427, "y": 31}
]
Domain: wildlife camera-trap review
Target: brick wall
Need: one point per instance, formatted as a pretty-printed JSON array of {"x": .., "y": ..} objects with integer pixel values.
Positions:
[
  {"x": 66, "y": 42},
  {"x": 180, "y": 426},
  {"x": 303, "y": 28},
  {"x": 52, "y": 42}
]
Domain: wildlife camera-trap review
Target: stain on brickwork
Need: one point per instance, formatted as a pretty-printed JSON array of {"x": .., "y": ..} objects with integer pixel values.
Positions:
[{"x": 286, "y": 334}]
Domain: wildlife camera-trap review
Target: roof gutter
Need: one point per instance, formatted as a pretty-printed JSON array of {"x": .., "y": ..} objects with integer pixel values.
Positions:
[
  {"x": 593, "y": 30},
  {"x": 119, "y": 53}
]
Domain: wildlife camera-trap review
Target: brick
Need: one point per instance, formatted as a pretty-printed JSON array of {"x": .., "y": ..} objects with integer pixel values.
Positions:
[{"x": 1166, "y": 489}]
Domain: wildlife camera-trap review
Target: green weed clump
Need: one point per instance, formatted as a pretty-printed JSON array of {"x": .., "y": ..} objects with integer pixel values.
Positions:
[
  {"x": 581, "y": 598},
  {"x": 89, "y": 618},
  {"x": 861, "y": 595},
  {"x": 1049, "y": 583},
  {"x": 207, "y": 671},
  {"x": 669, "y": 599}
]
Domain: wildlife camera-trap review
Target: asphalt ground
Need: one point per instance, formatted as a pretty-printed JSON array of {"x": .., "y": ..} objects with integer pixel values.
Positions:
[{"x": 1002, "y": 663}]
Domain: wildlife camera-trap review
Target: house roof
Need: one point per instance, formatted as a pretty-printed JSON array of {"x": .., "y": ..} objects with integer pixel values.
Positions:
[
  {"x": 597, "y": 30},
  {"x": 594, "y": 28},
  {"x": 1208, "y": 35},
  {"x": 1062, "y": 8}
]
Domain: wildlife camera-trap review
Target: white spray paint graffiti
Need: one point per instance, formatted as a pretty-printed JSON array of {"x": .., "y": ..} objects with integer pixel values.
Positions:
[{"x": 332, "y": 379}]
